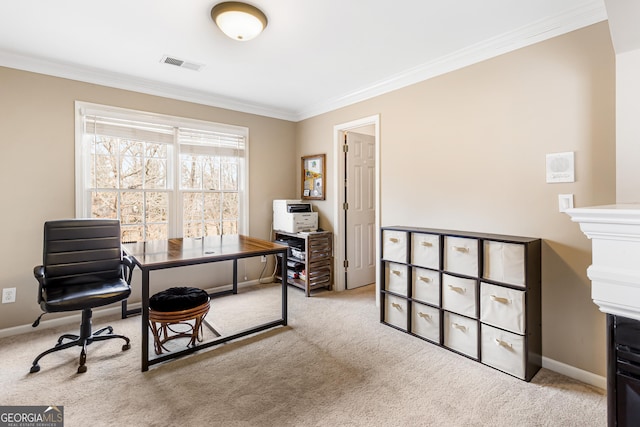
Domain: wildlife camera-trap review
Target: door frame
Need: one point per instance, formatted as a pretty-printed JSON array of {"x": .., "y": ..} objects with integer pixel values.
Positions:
[{"x": 339, "y": 170}]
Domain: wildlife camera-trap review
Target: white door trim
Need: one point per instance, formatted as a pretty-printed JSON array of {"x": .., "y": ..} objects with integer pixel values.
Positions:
[{"x": 338, "y": 167}]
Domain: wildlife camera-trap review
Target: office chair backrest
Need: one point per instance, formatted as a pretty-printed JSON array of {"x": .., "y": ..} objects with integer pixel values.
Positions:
[{"x": 78, "y": 251}]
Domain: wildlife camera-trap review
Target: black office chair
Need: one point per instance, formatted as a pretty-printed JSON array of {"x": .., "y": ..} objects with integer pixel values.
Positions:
[{"x": 83, "y": 268}]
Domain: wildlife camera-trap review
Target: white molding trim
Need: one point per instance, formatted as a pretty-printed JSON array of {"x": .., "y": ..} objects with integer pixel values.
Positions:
[
  {"x": 554, "y": 26},
  {"x": 104, "y": 312},
  {"x": 575, "y": 373},
  {"x": 150, "y": 87},
  {"x": 338, "y": 189},
  {"x": 553, "y": 365},
  {"x": 60, "y": 321},
  {"x": 541, "y": 30},
  {"x": 614, "y": 273}
]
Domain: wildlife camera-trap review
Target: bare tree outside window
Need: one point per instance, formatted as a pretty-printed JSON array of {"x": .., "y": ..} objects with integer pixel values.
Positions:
[
  {"x": 124, "y": 174},
  {"x": 130, "y": 177},
  {"x": 209, "y": 206}
]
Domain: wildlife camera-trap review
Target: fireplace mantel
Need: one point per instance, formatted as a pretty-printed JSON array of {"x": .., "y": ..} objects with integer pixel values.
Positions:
[{"x": 615, "y": 269}]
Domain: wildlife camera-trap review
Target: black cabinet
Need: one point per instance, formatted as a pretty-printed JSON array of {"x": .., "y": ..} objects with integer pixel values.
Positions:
[
  {"x": 623, "y": 376},
  {"x": 476, "y": 294}
]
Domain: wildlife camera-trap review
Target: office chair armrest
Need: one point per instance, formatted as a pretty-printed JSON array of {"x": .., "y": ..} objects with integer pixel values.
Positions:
[
  {"x": 127, "y": 268},
  {"x": 38, "y": 273},
  {"x": 128, "y": 261}
]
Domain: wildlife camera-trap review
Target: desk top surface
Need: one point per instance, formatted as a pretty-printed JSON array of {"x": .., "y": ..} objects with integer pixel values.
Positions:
[{"x": 179, "y": 251}]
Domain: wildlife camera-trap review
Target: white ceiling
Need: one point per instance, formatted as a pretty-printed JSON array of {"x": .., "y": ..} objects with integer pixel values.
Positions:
[{"x": 313, "y": 57}]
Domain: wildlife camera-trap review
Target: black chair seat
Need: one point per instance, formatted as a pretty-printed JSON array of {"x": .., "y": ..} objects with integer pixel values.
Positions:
[{"x": 89, "y": 295}]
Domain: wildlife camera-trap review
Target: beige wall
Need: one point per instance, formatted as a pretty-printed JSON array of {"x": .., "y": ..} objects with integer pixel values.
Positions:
[
  {"x": 466, "y": 151},
  {"x": 37, "y": 170},
  {"x": 463, "y": 151}
]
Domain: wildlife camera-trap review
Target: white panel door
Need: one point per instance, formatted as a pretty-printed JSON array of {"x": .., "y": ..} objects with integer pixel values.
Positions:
[{"x": 360, "y": 216}]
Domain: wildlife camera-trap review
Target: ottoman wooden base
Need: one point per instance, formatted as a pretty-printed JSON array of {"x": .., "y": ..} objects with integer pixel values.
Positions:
[{"x": 169, "y": 325}]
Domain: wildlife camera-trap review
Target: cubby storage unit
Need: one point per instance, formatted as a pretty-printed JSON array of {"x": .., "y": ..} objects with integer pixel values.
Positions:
[
  {"x": 310, "y": 264},
  {"x": 476, "y": 294}
]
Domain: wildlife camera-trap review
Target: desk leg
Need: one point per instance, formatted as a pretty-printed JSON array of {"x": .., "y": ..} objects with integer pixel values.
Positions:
[
  {"x": 235, "y": 276},
  {"x": 145, "y": 320},
  {"x": 284, "y": 287}
]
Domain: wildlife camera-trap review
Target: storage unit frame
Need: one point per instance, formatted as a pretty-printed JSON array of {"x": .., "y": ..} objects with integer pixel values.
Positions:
[{"x": 512, "y": 282}]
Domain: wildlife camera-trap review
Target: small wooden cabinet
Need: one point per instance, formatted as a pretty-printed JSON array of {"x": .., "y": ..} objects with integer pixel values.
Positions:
[
  {"x": 476, "y": 294},
  {"x": 310, "y": 264}
]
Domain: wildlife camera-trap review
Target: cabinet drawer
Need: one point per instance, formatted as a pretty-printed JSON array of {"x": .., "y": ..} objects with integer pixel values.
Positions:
[
  {"x": 502, "y": 307},
  {"x": 503, "y": 350},
  {"x": 461, "y": 334},
  {"x": 461, "y": 255},
  {"x": 504, "y": 262},
  {"x": 395, "y": 311},
  {"x": 426, "y": 286},
  {"x": 425, "y": 321},
  {"x": 319, "y": 248},
  {"x": 395, "y": 278},
  {"x": 459, "y": 295},
  {"x": 394, "y": 246},
  {"x": 425, "y": 250}
]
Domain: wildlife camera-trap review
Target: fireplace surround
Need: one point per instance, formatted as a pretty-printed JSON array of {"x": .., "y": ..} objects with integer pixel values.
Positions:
[{"x": 615, "y": 287}]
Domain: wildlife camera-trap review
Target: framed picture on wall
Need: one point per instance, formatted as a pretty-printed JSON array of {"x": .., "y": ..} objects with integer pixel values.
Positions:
[{"x": 313, "y": 182}]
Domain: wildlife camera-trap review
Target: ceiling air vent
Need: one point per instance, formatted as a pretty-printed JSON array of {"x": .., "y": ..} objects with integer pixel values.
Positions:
[{"x": 180, "y": 63}]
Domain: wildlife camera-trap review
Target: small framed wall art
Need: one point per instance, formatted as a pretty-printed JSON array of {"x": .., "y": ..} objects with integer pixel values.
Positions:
[{"x": 313, "y": 171}]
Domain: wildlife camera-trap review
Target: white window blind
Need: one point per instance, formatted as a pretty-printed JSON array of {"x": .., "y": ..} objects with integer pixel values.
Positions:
[{"x": 162, "y": 176}]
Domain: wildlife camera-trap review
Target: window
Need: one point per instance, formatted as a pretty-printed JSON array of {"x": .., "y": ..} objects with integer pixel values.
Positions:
[{"x": 162, "y": 176}]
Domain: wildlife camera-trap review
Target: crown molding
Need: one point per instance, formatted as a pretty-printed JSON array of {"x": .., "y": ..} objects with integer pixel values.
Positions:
[
  {"x": 536, "y": 32},
  {"x": 150, "y": 87},
  {"x": 571, "y": 20}
]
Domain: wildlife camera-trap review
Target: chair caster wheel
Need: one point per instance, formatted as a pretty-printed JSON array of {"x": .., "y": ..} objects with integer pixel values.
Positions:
[
  {"x": 82, "y": 369},
  {"x": 34, "y": 369},
  {"x": 125, "y": 347}
]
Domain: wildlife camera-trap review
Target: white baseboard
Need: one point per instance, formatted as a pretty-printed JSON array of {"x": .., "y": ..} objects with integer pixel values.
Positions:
[
  {"x": 76, "y": 316},
  {"x": 575, "y": 373},
  {"x": 553, "y": 365}
]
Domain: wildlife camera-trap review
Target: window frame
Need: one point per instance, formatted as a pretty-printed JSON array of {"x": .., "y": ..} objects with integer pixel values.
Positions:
[{"x": 175, "y": 218}]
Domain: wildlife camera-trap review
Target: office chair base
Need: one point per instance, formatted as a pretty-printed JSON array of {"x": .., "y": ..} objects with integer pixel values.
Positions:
[{"x": 84, "y": 339}]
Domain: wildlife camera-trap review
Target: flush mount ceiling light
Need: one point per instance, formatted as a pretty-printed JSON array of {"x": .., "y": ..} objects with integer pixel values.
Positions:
[{"x": 240, "y": 21}]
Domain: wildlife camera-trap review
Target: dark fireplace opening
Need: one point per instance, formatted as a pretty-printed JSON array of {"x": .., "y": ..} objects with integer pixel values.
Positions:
[{"x": 623, "y": 376}]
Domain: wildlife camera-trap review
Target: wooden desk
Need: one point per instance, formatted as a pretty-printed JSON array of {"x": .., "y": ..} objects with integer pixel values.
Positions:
[{"x": 162, "y": 254}]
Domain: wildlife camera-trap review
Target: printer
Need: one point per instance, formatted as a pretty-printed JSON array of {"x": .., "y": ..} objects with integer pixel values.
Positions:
[{"x": 294, "y": 216}]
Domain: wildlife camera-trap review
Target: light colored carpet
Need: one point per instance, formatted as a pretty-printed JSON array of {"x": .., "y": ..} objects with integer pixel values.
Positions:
[{"x": 333, "y": 365}]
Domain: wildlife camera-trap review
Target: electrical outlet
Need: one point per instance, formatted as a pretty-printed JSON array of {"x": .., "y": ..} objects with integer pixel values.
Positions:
[
  {"x": 8, "y": 295},
  {"x": 263, "y": 258}
]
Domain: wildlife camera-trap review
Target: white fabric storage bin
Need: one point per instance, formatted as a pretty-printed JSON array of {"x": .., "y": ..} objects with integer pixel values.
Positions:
[
  {"x": 503, "y": 350},
  {"x": 461, "y": 255},
  {"x": 502, "y": 307},
  {"x": 426, "y": 286},
  {"x": 425, "y": 321},
  {"x": 504, "y": 262},
  {"x": 425, "y": 250},
  {"x": 396, "y": 278},
  {"x": 394, "y": 246},
  {"x": 395, "y": 311},
  {"x": 461, "y": 334},
  {"x": 459, "y": 295}
]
